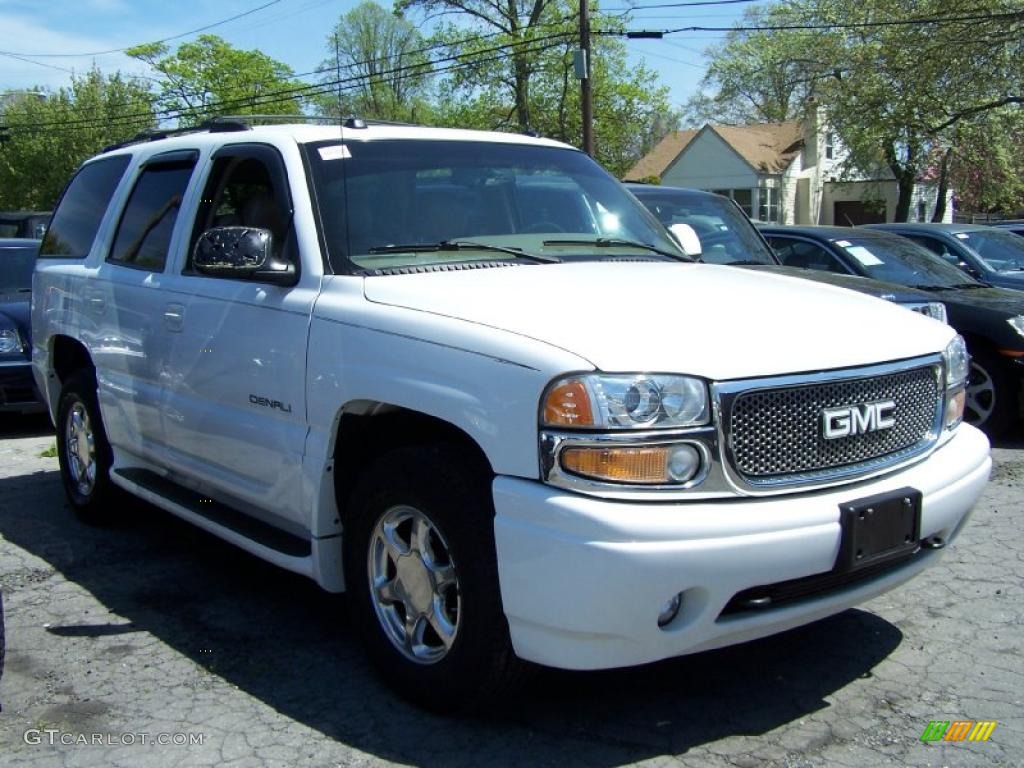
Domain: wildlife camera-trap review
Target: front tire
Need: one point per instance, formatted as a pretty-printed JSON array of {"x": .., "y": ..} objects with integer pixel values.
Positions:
[
  {"x": 422, "y": 579},
  {"x": 992, "y": 395},
  {"x": 83, "y": 452}
]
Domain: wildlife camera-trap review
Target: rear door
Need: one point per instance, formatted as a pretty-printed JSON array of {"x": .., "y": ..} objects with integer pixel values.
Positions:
[{"x": 235, "y": 405}]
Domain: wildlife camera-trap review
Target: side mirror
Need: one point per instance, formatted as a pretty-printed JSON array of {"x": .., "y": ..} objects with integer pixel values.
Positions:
[
  {"x": 687, "y": 238},
  {"x": 245, "y": 253}
]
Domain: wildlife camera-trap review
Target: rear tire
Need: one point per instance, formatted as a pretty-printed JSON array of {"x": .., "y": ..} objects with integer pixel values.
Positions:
[
  {"x": 83, "y": 452},
  {"x": 992, "y": 395},
  {"x": 422, "y": 579}
]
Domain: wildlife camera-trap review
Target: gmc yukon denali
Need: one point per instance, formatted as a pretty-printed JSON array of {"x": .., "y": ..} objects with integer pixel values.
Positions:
[{"x": 470, "y": 380}]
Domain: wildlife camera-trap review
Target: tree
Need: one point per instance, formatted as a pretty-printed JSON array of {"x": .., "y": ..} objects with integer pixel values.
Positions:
[
  {"x": 381, "y": 61},
  {"x": 896, "y": 79},
  {"x": 209, "y": 76},
  {"x": 45, "y": 140},
  {"x": 986, "y": 162},
  {"x": 519, "y": 26}
]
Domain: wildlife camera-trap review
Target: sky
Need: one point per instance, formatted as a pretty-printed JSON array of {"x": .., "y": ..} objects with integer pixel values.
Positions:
[{"x": 292, "y": 31}]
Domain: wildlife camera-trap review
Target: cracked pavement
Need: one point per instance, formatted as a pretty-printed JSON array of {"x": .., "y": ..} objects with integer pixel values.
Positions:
[{"x": 154, "y": 627}]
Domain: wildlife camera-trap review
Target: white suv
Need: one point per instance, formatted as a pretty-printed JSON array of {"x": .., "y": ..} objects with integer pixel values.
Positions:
[{"x": 469, "y": 379}]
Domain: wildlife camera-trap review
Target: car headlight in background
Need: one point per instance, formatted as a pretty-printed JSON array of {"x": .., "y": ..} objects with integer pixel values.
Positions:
[
  {"x": 958, "y": 364},
  {"x": 935, "y": 310},
  {"x": 10, "y": 341},
  {"x": 625, "y": 401},
  {"x": 1017, "y": 323}
]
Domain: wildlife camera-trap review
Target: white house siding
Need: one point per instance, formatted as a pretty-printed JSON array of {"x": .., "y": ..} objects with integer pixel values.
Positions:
[{"x": 709, "y": 163}]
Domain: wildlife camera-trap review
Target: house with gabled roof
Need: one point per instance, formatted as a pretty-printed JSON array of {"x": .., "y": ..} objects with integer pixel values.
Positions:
[{"x": 786, "y": 173}]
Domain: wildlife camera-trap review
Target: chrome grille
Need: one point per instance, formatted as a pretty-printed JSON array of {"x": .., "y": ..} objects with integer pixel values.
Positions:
[{"x": 776, "y": 434}]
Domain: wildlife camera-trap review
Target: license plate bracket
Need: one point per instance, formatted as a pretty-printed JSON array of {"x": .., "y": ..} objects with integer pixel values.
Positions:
[{"x": 879, "y": 528}]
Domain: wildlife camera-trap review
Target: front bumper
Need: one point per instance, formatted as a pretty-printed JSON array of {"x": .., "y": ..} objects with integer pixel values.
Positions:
[
  {"x": 583, "y": 579},
  {"x": 18, "y": 390}
]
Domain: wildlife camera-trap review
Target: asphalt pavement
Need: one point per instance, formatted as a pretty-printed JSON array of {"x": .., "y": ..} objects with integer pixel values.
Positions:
[{"x": 151, "y": 643}]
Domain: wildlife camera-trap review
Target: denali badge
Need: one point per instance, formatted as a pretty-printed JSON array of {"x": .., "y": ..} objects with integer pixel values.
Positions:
[{"x": 858, "y": 419}]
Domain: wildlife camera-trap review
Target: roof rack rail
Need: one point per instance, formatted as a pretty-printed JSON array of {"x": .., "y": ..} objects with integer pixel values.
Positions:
[{"x": 155, "y": 134}]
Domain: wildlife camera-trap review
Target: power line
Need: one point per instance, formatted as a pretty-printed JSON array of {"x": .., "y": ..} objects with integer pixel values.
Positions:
[
  {"x": 456, "y": 61},
  {"x": 154, "y": 42}
]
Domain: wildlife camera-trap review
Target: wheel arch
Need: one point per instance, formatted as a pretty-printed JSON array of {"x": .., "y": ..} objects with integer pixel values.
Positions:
[{"x": 66, "y": 356}]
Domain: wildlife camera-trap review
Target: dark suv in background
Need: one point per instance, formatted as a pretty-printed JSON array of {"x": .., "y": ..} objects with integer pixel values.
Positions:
[
  {"x": 27, "y": 224},
  {"x": 991, "y": 320}
]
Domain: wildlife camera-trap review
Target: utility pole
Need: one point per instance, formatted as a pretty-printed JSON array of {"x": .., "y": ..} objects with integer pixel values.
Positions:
[{"x": 583, "y": 73}]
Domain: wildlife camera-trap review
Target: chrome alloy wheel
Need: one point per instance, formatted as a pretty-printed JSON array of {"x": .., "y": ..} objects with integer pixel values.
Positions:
[
  {"x": 981, "y": 395},
  {"x": 81, "y": 449},
  {"x": 414, "y": 586}
]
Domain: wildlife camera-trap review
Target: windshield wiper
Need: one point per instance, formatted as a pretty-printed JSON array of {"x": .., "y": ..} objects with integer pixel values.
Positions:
[
  {"x": 972, "y": 285},
  {"x": 614, "y": 242},
  {"x": 463, "y": 245},
  {"x": 933, "y": 288}
]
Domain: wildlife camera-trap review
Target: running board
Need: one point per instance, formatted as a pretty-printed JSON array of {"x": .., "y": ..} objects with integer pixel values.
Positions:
[{"x": 283, "y": 549}]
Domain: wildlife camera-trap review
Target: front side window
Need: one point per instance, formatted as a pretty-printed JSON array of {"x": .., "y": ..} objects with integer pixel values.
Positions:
[
  {"x": 144, "y": 232},
  {"x": 395, "y": 203},
  {"x": 80, "y": 211}
]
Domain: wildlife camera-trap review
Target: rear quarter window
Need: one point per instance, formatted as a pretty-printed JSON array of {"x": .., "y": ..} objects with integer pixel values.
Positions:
[{"x": 81, "y": 208}]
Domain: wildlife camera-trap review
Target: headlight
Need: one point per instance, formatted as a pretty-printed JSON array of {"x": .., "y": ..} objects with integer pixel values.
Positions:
[
  {"x": 10, "y": 341},
  {"x": 936, "y": 310},
  {"x": 957, "y": 362},
  {"x": 625, "y": 401},
  {"x": 1017, "y": 323}
]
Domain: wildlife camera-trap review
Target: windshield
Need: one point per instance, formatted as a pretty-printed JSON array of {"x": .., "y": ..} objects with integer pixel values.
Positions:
[
  {"x": 377, "y": 196},
  {"x": 16, "y": 265},
  {"x": 895, "y": 259},
  {"x": 1000, "y": 251},
  {"x": 725, "y": 233}
]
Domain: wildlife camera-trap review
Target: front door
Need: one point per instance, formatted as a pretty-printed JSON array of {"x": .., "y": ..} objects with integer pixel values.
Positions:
[{"x": 235, "y": 405}]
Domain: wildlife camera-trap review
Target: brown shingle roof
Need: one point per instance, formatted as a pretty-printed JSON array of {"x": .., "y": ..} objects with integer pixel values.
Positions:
[
  {"x": 661, "y": 157},
  {"x": 768, "y": 147}
]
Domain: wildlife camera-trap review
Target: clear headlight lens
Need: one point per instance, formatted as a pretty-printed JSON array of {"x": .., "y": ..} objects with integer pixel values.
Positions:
[
  {"x": 957, "y": 362},
  {"x": 1017, "y": 323},
  {"x": 625, "y": 401},
  {"x": 936, "y": 310},
  {"x": 10, "y": 341}
]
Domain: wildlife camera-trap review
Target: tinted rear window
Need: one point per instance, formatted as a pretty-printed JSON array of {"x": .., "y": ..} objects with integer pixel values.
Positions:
[{"x": 78, "y": 215}]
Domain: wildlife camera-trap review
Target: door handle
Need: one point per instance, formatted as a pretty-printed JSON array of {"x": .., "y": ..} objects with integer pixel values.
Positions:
[{"x": 174, "y": 317}]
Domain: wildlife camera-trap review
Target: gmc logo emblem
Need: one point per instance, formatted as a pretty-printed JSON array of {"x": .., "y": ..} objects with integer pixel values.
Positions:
[{"x": 858, "y": 419}]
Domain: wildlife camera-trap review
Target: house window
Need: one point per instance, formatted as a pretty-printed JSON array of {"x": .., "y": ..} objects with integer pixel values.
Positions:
[
  {"x": 768, "y": 204},
  {"x": 830, "y": 145},
  {"x": 922, "y": 210},
  {"x": 744, "y": 198}
]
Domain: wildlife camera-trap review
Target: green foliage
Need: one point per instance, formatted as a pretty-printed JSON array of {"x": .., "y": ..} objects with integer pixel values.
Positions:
[
  {"x": 893, "y": 92},
  {"x": 209, "y": 76},
  {"x": 987, "y": 163},
  {"x": 381, "y": 59},
  {"x": 47, "y": 139}
]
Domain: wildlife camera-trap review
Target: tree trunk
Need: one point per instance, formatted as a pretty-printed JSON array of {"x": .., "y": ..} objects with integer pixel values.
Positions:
[
  {"x": 940, "y": 199},
  {"x": 522, "y": 91},
  {"x": 905, "y": 185}
]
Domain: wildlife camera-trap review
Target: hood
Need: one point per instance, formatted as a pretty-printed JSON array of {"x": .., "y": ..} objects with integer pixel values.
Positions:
[
  {"x": 877, "y": 288},
  {"x": 15, "y": 309},
  {"x": 1002, "y": 300},
  {"x": 1013, "y": 280},
  {"x": 713, "y": 321}
]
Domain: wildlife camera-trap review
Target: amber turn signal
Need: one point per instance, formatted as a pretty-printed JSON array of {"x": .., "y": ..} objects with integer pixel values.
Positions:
[{"x": 568, "y": 405}]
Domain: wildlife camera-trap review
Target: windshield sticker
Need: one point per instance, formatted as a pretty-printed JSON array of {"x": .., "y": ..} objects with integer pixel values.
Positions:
[
  {"x": 335, "y": 152},
  {"x": 961, "y": 235},
  {"x": 863, "y": 255},
  {"x": 843, "y": 243}
]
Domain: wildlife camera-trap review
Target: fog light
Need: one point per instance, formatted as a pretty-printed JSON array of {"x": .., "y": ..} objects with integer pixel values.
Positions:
[
  {"x": 683, "y": 463},
  {"x": 955, "y": 408},
  {"x": 670, "y": 610}
]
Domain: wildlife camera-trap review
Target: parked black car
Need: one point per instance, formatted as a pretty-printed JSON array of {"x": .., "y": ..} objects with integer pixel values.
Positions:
[
  {"x": 988, "y": 254},
  {"x": 728, "y": 237},
  {"x": 18, "y": 391},
  {"x": 27, "y": 224},
  {"x": 991, "y": 320}
]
